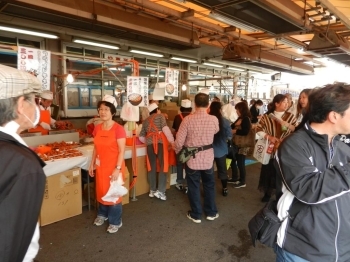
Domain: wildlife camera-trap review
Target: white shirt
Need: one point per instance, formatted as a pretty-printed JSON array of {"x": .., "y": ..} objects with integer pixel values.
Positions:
[{"x": 11, "y": 129}]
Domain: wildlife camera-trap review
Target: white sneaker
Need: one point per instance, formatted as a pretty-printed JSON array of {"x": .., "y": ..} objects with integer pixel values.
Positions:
[
  {"x": 160, "y": 195},
  {"x": 211, "y": 218},
  {"x": 151, "y": 193},
  {"x": 113, "y": 228},
  {"x": 99, "y": 221}
]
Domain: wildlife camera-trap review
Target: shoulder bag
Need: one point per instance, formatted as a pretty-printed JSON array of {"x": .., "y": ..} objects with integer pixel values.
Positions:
[
  {"x": 187, "y": 152},
  {"x": 245, "y": 141}
]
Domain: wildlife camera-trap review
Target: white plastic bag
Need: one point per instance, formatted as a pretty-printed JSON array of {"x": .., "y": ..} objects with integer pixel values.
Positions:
[
  {"x": 260, "y": 153},
  {"x": 115, "y": 191}
]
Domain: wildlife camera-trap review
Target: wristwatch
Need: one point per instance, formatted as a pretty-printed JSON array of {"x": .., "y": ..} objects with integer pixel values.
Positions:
[{"x": 119, "y": 167}]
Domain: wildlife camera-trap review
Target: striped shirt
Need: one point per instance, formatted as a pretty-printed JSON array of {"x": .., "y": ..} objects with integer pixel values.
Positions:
[
  {"x": 198, "y": 130},
  {"x": 271, "y": 127},
  {"x": 159, "y": 121}
]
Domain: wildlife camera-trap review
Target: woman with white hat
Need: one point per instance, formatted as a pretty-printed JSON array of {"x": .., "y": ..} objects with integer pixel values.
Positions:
[
  {"x": 45, "y": 121},
  {"x": 108, "y": 159},
  {"x": 22, "y": 179},
  {"x": 156, "y": 134}
]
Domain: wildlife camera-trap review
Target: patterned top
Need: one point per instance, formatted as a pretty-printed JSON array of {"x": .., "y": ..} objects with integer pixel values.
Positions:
[
  {"x": 273, "y": 128},
  {"x": 159, "y": 121},
  {"x": 198, "y": 130}
]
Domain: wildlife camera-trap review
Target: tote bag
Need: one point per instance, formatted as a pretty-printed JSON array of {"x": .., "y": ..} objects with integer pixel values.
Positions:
[
  {"x": 260, "y": 151},
  {"x": 245, "y": 141}
]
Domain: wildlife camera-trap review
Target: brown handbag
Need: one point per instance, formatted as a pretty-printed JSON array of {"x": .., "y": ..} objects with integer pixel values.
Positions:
[{"x": 245, "y": 141}]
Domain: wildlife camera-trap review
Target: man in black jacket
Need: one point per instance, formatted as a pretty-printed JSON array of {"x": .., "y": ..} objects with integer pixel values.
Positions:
[
  {"x": 22, "y": 180},
  {"x": 313, "y": 182}
]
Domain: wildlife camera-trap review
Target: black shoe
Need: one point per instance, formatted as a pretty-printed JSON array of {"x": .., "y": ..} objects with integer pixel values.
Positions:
[
  {"x": 239, "y": 185},
  {"x": 224, "y": 192},
  {"x": 266, "y": 198},
  {"x": 233, "y": 181}
]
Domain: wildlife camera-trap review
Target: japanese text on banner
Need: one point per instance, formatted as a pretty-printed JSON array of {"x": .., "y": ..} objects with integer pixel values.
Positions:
[
  {"x": 137, "y": 90},
  {"x": 36, "y": 62}
]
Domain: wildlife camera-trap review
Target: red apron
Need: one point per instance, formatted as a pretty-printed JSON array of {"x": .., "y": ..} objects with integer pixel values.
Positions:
[
  {"x": 44, "y": 117},
  {"x": 106, "y": 161},
  {"x": 156, "y": 135}
]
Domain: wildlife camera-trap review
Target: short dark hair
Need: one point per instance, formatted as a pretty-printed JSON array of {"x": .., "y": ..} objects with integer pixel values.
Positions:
[
  {"x": 108, "y": 104},
  {"x": 185, "y": 109},
  {"x": 259, "y": 102},
  {"x": 243, "y": 109},
  {"x": 201, "y": 100},
  {"x": 334, "y": 97}
]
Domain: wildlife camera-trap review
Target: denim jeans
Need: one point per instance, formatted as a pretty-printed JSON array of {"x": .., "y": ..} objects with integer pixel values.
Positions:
[
  {"x": 179, "y": 171},
  {"x": 240, "y": 159},
  {"x": 193, "y": 178},
  {"x": 221, "y": 167},
  {"x": 284, "y": 256},
  {"x": 113, "y": 213}
]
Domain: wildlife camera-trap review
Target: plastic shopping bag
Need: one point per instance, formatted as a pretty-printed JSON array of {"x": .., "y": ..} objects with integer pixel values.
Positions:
[
  {"x": 115, "y": 191},
  {"x": 261, "y": 151},
  {"x": 228, "y": 163}
]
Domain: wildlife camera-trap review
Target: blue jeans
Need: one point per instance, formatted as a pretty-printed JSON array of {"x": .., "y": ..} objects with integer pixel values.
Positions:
[
  {"x": 113, "y": 213},
  {"x": 193, "y": 178},
  {"x": 240, "y": 159},
  {"x": 284, "y": 256},
  {"x": 179, "y": 171}
]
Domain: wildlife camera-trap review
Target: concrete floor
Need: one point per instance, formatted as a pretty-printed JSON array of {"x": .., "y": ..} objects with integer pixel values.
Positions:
[{"x": 155, "y": 230}]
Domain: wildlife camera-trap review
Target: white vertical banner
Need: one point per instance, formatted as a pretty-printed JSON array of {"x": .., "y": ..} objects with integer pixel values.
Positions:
[
  {"x": 137, "y": 90},
  {"x": 172, "y": 82},
  {"x": 36, "y": 62}
]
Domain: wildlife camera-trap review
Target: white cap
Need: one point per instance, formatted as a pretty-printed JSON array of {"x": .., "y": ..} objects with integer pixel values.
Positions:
[
  {"x": 47, "y": 95},
  {"x": 110, "y": 99},
  {"x": 152, "y": 106},
  {"x": 204, "y": 91},
  {"x": 186, "y": 103}
]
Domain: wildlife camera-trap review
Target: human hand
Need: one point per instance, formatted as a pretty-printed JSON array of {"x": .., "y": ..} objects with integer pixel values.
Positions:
[
  {"x": 165, "y": 115},
  {"x": 115, "y": 175},
  {"x": 91, "y": 170},
  {"x": 45, "y": 126},
  {"x": 273, "y": 139}
]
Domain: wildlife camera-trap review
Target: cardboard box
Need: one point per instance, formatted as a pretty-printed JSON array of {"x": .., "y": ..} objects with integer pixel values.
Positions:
[
  {"x": 142, "y": 185},
  {"x": 62, "y": 197}
]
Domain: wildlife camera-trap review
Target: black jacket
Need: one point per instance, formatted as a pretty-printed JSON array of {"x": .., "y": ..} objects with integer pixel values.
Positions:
[
  {"x": 22, "y": 184},
  {"x": 255, "y": 113},
  {"x": 317, "y": 185}
]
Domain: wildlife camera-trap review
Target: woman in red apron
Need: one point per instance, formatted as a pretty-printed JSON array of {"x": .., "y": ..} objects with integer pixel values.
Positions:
[
  {"x": 108, "y": 159},
  {"x": 45, "y": 121},
  {"x": 157, "y": 136}
]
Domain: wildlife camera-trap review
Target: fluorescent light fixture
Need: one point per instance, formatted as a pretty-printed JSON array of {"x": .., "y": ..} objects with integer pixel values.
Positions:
[
  {"x": 184, "y": 87},
  {"x": 27, "y": 32},
  {"x": 309, "y": 63},
  {"x": 213, "y": 65},
  {"x": 292, "y": 43},
  {"x": 232, "y": 22},
  {"x": 184, "y": 59},
  {"x": 298, "y": 59},
  {"x": 236, "y": 69},
  {"x": 145, "y": 53},
  {"x": 117, "y": 69},
  {"x": 160, "y": 76},
  {"x": 254, "y": 72},
  {"x": 88, "y": 42}
]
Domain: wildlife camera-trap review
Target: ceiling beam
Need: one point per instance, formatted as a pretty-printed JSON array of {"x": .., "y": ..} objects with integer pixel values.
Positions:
[
  {"x": 287, "y": 10},
  {"x": 335, "y": 11},
  {"x": 114, "y": 16}
]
